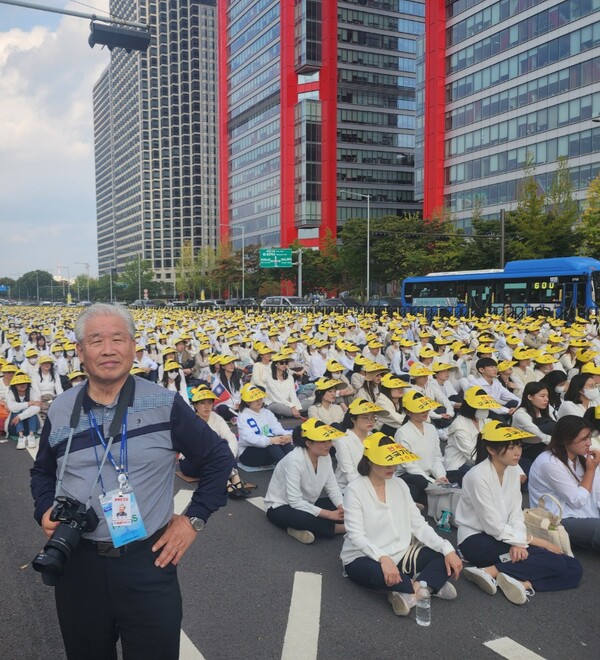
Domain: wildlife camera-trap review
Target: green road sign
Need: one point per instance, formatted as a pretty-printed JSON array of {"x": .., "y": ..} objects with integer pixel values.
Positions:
[{"x": 276, "y": 258}]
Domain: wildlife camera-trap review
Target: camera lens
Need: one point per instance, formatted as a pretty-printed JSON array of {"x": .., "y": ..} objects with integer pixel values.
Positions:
[{"x": 51, "y": 561}]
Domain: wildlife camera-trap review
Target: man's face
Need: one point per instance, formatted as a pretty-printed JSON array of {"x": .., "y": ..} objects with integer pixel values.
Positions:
[{"x": 107, "y": 349}]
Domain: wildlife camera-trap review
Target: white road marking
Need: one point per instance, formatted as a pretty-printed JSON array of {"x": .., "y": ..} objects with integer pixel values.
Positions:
[
  {"x": 258, "y": 502},
  {"x": 187, "y": 650},
  {"x": 302, "y": 632},
  {"x": 33, "y": 452},
  {"x": 181, "y": 500},
  {"x": 508, "y": 648}
]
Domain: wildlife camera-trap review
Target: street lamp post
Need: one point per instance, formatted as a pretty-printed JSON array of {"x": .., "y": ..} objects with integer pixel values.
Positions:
[{"x": 368, "y": 198}]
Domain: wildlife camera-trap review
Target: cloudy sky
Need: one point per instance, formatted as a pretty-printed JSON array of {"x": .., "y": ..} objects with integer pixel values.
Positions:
[{"x": 47, "y": 191}]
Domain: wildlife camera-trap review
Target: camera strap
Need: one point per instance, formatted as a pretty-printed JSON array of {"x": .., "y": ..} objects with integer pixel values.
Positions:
[{"x": 125, "y": 396}]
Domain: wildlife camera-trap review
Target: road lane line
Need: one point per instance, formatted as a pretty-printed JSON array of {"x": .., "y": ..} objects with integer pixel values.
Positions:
[
  {"x": 258, "y": 502},
  {"x": 187, "y": 650},
  {"x": 32, "y": 452},
  {"x": 302, "y": 632},
  {"x": 508, "y": 648},
  {"x": 181, "y": 500}
]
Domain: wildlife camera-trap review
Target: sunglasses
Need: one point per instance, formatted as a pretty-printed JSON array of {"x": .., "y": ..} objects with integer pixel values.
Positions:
[{"x": 284, "y": 362}]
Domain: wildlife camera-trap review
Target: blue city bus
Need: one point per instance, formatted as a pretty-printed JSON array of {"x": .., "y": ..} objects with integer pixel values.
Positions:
[{"x": 537, "y": 286}]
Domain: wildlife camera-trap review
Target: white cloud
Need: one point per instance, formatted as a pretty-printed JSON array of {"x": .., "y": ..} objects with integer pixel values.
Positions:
[{"x": 47, "y": 190}]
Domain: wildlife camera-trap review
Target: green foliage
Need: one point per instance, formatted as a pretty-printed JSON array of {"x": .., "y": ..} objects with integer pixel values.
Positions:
[
  {"x": 589, "y": 228},
  {"x": 137, "y": 275}
]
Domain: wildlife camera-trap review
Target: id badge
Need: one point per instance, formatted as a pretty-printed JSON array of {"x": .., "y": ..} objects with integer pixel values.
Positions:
[{"x": 123, "y": 517}]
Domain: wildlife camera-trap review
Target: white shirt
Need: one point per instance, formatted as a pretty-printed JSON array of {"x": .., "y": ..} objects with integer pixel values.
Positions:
[
  {"x": 571, "y": 408},
  {"x": 221, "y": 428},
  {"x": 488, "y": 506},
  {"x": 497, "y": 391},
  {"x": 426, "y": 446},
  {"x": 462, "y": 439},
  {"x": 389, "y": 415},
  {"x": 20, "y": 407},
  {"x": 333, "y": 414},
  {"x": 296, "y": 483},
  {"x": 46, "y": 385},
  {"x": 282, "y": 391},
  {"x": 375, "y": 529},
  {"x": 257, "y": 429},
  {"x": 523, "y": 420},
  {"x": 348, "y": 452},
  {"x": 550, "y": 475}
]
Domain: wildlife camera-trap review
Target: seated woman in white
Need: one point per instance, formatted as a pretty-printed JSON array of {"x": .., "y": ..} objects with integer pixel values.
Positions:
[
  {"x": 533, "y": 416},
  {"x": 491, "y": 530},
  {"x": 568, "y": 469},
  {"x": 325, "y": 408},
  {"x": 281, "y": 398},
  {"x": 381, "y": 519},
  {"x": 463, "y": 432},
  {"x": 359, "y": 422},
  {"x": 293, "y": 501},
  {"x": 262, "y": 439},
  {"x": 421, "y": 438},
  {"x": 391, "y": 391},
  {"x": 582, "y": 394}
]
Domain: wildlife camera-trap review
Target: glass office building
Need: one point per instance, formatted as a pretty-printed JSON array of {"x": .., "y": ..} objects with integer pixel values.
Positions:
[
  {"x": 155, "y": 123},
  {"x": 505, "y": 81},
  {"x": 316, "y": 112}
]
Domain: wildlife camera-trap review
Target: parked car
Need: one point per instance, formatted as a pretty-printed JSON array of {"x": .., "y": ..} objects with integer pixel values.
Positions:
[
  {"x": 284, "y": 301},
  {"x": 147, "y": 303},
  {"x": 203, "y": 304},
  {"x": 339, "y": 303},
  {"x": 384, "y": 303},
  {"x": 240, "y": 302}
]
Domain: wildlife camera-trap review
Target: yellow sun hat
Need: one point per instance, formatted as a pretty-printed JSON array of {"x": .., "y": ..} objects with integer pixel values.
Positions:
[
  {"x": 251, "y": 393},
  {"x": 20, "y": 378},
  {"x": 388, "y": 453},
  {"x": 363, "y": 407},
  {"x": 418, "y": 370},
  {"x": 391, "y": 381},
  {"x": 327, "y": 383},
  {"x": 203, "y": 393},
  {"x": 416, "y": 402},
  {"x": 495, "y": 431},
  {"x": 479, "y": 399},
  {"x": 317, "y": 431}
]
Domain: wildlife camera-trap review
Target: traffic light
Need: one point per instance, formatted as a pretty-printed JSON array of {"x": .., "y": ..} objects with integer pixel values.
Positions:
[{"x": 117, "y": 36}]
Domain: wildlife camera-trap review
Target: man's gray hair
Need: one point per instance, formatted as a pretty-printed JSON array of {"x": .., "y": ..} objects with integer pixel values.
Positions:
[{"x": 103, "y": 309}]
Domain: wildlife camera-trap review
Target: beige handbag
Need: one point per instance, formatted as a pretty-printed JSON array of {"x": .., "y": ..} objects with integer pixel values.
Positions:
[{"x": 544, "y": 524}]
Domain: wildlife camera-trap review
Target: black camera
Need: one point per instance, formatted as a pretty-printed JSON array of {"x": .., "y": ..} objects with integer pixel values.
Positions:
[{"x": 74, "y": 519}]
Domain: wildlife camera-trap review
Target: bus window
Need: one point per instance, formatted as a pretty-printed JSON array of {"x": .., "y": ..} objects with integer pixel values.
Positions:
[
  {"x": 581, "y": 295},
  {"x": 515, "y": 293},
  {"x": 595, "y": 287}
]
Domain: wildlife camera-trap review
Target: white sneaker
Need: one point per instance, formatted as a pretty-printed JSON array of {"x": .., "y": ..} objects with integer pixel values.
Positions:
[
  {"x": 514, "y": 590},
  {"x": 31, "y": 441},
  {"x": 481, "y": 578},
  {"x": 447, "y": 592},
  {"x": 401, "y": 603},
  {"x": 21, "y": 442},
  {"x": 302, "y": 535}
]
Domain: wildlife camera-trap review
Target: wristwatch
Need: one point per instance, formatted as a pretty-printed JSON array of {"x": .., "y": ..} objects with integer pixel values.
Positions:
[{"x": 197, "y": 523}]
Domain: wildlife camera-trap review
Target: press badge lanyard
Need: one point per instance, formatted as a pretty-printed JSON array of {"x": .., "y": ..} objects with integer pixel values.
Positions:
[{"x": 123, "y": 468}]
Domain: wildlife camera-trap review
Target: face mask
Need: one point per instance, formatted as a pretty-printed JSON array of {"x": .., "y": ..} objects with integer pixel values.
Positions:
[
  {"x": 592, "y": 394},
  {"x": 70, "y": 353},
  {"x": 32, "y": 360},
  {"x": 560, "y": 389},
  {"x": 57, "y": 355},
  {"x": 481, "y": 414},
  {"x": 173, "y": 375}
]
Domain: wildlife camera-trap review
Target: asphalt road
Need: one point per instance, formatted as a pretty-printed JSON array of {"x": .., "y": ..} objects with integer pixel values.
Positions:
[{"x": 237, "y": 582}]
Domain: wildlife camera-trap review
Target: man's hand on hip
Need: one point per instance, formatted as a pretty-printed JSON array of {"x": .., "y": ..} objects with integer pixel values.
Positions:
[{"x": 176, "y": 539}]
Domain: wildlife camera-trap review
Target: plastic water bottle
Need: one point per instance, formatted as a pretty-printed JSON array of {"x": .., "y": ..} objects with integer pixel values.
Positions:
[
  {"x": 444, "y": 522},
  {"x": 423, "y": 607}
]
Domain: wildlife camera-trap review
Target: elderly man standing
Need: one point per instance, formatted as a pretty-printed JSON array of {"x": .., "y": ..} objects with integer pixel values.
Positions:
[{"x": 112, "y": 442}]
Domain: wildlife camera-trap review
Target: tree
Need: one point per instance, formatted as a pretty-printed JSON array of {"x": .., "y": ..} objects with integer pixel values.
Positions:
[
  {"x": 529, "y": 221},
  {"x": 589, "y": 229},
  {"x": 188, "y": 276},
  {"x": 32, "y": 283},
  {"x": 137, "y": 276},
  {"x": 562, "y": 211},
  {"x": 482, "y": 247}
]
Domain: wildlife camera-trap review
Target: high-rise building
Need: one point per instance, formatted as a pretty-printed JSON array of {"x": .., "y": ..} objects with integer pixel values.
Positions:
[
  {"x": 317, "y": 112},
  {"x": 505, "y": 82},
  {"x": 155, "y": 117}
]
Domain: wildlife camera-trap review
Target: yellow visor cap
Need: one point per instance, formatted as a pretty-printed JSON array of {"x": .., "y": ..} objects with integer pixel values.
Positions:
[
  {"x": 386, "y": 454},
  {"x": 495, "y": 431},
  {"x": 480, "y": 400},
  {"x": 317, "y": 431}
]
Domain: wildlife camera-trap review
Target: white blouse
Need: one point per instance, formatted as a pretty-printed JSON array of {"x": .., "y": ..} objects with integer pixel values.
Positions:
[
  {"x": 488, "y": 506},
  {"x": 462, "y": 439},
  {"x": 332, "y": 415},
  {"x": 376, "y": 529},
  {"x": 296, "y": 483},
  {"x": 426, "y": 446},
  {"x": 348, "y": 452},
  {"x": 550, "y": 475}
]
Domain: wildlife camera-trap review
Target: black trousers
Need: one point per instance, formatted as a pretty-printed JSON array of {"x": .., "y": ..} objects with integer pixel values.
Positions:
[
  {"x": 258, "y": 456},
  {"x": 101, "y": 599},
  {"x": 430, "y": 567},
  {"x": 286, "y": 516}
]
